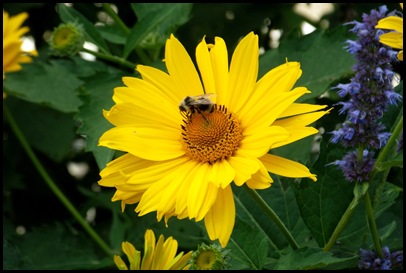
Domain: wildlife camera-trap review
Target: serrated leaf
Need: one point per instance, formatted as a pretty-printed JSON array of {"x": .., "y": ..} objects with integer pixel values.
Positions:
[
  {"x": 158, "y": 20},
  {"x": 309, "y": 50},
  {"x": 308, "y": 258},
  {"x": 50, "y": 85},
  {"x": 247, "y": 245},
  {"x": 68, "y": 14},
  {"x": 99, "y": 91},
  {"x": 322, "y": 203}
]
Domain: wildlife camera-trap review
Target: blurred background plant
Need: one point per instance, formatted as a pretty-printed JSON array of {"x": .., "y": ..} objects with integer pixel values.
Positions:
[{"x": 57, "y": 101}]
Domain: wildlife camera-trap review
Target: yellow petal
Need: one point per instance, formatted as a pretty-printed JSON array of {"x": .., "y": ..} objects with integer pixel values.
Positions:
[
  {"x": 391, "y": 22},
  {"x": 114, "y": 172},
  {"x": 219, "y": 62},
  {"x": 120, "y": 263},
  {"x": 161, "y": 254},
  {"x": 285, "y": 167},
  {"x": 392, "y": 39},
  {"x": 133, "y": 255},
  {"x": 296, "y": 133},
  {"x": 147, "y": 97},
  {"x": 221, "y": 173},
  {"x": 180, "y": 261},
  {"x": 170, "y": 248},
  {"x": 181, "y": 198},
  {"x": 278, "y": 80},
  {"x": 129, "y": 114},
  {"x": 261, "y": 179},
  {"x": 164, "y": 193},
  {"x": 202, "y": 194},
  {"x": 149, "y": 172},
  {"x": 147, "y": 143},
  {"x": 400, "y": 55},
  {"x": 265, "y": 115},
  {"x": 300, "y": 120},
  {"x": 149, "y": 250},
  {"x": 300, "y": 108},
  {"x": 206, "y": 70},
  {"x": 259, "y": 143},
  {"x": 243, "y": 72},
  {"x": 219, "y": 221},
  {"x": 163, "y": 82},
  {"x": 181, "y": 68},
  {"x": 244, "y": 168}
]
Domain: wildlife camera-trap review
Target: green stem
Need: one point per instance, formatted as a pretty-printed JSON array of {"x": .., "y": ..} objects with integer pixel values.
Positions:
[
  {"x": 348, "y": 213},
  {"x": 115, "y": 17},
  {"x": 51, "y": 183},
  {"x": 383, "y": 155},
  {"x": 387, "y": 154},
  {"x": 277, "y": 221},
  {"x": 144, "y": 58},
  {"x": 342, "y": 224},
  {"x": 110, "y": 58},
  {"x": 372, "y": 225}
]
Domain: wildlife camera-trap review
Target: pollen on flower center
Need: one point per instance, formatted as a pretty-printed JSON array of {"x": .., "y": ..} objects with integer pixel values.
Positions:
[{"x": 208, "y": 137}]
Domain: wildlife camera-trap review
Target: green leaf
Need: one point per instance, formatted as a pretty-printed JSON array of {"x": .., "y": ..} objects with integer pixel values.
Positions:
[
  {"x": 12, "y": 258},
  {"x": 359, "y": 191},
  {"x": 59, "y": 247},
  {"x": 309, "y": 258},
  {"x": 47, "y": 84},
  {"x": 99, "y": 92},
  {"x": 386, "y": 198},
  {"x": 395, "y": 162},
  {"x": 68, "y": 14},
  {"x": 392, "y": 216},
  {"x": 247, "y": 245},
  {"x": 281, "y": 199},
  {"x": 156, "y": 22},
  {"x": 45, "y": 129},
  {"x": 309, "y": 50},
  {"x": 113, "y": 34},
  {"x": 322, "y": 203}
]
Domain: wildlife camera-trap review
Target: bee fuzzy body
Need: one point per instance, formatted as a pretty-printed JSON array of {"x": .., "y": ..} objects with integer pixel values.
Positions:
[{"x": 197, "y": 104}]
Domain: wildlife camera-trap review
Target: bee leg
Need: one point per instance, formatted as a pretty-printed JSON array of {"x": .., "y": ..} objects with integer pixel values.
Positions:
[{"x": 201, "y": 113}]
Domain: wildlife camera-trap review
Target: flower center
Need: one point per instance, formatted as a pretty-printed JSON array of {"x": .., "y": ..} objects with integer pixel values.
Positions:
[
  {"x": 208, "y": 137},
  {"x": 206, "y": 260}
]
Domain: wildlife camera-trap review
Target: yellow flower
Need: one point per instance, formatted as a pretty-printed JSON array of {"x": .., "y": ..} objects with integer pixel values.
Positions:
[
  {"x": 13, "y": 55},
  {"x": 182, "y": 164},
  {"x": 393, "y": 39},
  {"x": 159, "y": 256}
]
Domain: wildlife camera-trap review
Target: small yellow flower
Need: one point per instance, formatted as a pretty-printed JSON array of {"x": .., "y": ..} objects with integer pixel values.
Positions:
[
  {"x": 159, "y": 256},
  {"x": 13, "y": 55},
  {"x": 393, "y": 39},
  {"x": 182, "y": 163}
]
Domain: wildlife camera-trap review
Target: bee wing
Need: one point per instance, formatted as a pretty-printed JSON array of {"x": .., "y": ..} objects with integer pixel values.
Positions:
[{"x": 210, "y": 95}]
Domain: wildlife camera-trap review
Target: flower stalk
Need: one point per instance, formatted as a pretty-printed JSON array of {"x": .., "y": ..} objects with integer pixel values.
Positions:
[
  {"x": 372, "y": 225},
  {"x": 65, "y": 201},
  {"x": 273, "y": 216},
  {"x": 110, "y": 58}
]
